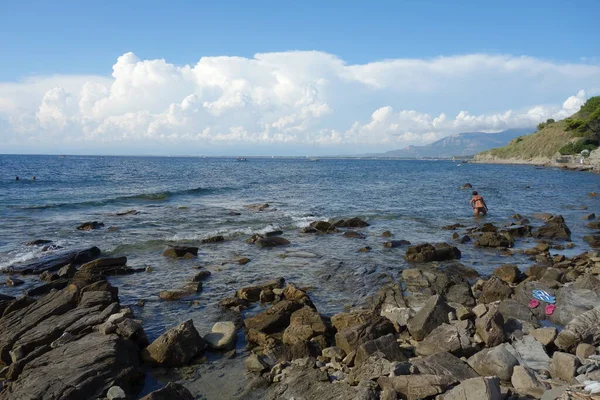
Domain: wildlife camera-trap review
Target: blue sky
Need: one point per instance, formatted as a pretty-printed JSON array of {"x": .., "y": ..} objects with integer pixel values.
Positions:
[
  {"x": 554, "y": 43},
  {"x": 84, "y": 37}
]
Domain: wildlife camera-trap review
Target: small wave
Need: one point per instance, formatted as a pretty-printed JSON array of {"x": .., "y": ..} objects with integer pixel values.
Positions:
[{"x": 157, "y": 196}]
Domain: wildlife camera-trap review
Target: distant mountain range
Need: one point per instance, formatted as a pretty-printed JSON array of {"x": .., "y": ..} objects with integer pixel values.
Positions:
[{"x": 460, "y": 144}]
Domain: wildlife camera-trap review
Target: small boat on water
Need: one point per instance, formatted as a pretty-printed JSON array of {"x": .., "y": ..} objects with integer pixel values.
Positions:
[
  {"x": 241, "y": 159},
  {"x": 313, "y": 159}
]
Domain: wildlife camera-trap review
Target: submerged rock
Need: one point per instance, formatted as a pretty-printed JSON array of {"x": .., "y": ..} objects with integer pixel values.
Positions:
[
  {"x": 88, "y": 226},
  {"x": 427, "y": 252},
  {"x": 54, "y": 262},
  {"x": 181, "y": 252},
  {"x": 555, "y": 228},
  {"x": 222, "y": 336}
]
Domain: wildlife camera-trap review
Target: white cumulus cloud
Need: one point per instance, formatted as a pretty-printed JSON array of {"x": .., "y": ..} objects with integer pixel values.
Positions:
[{"x": 286, "y": 102}]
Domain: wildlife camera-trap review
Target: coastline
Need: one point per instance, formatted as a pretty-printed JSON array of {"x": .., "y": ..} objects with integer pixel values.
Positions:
[{"x": 589, "y": 165}]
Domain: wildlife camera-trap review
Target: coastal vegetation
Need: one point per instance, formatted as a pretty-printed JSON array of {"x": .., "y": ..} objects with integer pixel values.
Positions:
[{"x": 570, "y": 136}]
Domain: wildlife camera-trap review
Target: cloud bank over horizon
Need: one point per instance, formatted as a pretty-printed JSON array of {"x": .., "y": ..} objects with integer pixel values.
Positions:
[{"x": 297, "y": 102}]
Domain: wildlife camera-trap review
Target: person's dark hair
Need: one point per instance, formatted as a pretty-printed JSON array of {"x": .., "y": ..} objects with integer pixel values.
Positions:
[{"x": 474, "y": 193}]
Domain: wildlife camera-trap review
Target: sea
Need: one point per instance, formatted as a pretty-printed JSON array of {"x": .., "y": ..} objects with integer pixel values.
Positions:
[{"x": 182, "y": 200}]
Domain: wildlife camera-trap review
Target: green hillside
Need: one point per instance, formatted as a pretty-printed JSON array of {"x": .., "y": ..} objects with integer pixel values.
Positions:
[{"x": 569, "y": 136}]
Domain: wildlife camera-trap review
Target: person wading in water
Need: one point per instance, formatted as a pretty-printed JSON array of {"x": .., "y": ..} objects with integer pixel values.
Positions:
[{"x": 478, "y": 204}]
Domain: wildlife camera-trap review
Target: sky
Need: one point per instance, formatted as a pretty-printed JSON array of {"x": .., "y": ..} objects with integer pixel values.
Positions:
[{"x": 285, "y": 78}]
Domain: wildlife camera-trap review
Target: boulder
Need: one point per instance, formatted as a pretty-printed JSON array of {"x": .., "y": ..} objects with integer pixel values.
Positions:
[
  {"x": 305, "y": 324},
  {"x": 555, "y": 228},
  {"x": 493, "y": 239},
  {"x": 509, "y": 273},
  {"x": 433, "y": 314},
  {"x": 593, "y": 225},
  {"x": 222, "y": 336},
  {"x": 176, "y": 347},
  {"x": 564, "y": 366},
  {"x": 512, "y": 309},
  {"x": 444, "y": 364},
  {"x": 386, "y": 345},
  {"x": 527, "y": 383},
  {"x": 371, "y": 369},
  {"x": 255, "y": 363},
  {"x": 583, "y": 328},
  {"x": 354, "y": 329},
  {"x": 571, "y": 302},
  {"x": 427, "y": 252},
  {"x": 460, "y": 293},
  {"x": 585, "y": 350},
  {"x": 494, "y": 289},
  {"x": 414, "y": 387},
  {"x": 307, "y": 383},
  {"x": 390, "y": 303},
  {"x": 322, "y": 226},
  {"x": 445, "y": 338},
  {"x": 275, "y": 318},
  {"x": 181, "y": 252},
  {"x": 272, "y": 241},
  {"x": 498, "y": 361},
  {"x": 82, "y": 369},
  {"x": 54, "y": 262},
  {"x": 490, "y": 327},
  {"x": 173, "y": 391},
  {"x": 531, "y": 353},
  {"x": 476, "y": 389},
  {"x": 545, "y": 336}
]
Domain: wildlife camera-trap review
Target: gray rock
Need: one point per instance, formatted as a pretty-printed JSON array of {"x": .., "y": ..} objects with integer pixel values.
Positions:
[
  {"x": 54, "y": 262},
  {"x": 490, "y": 327},
  {"x": 511, "y": 308},
  {"x": 413, "y": 387},
  {"x": 444, "y": 364},
  {"x": 493, "y": 239},
  {"x": 475, "y": 389},
  {"x": 509, "y": 273},
  {"x": 584, "y": 327},
  {"x": 527, "y": 383},
  {"x": 116, "y": 392},
  {"x": 275, "y": 318},
  {"x": 305, "y": 324},
  {"x": 498, "y": 361},
  {"x": 564, "y": 366},
  {"x": 107, "y": 360},
  {"x": 255, "y": 363},
  {"x": 571, "y": 302},
  {"x": 433, "y": 314},
  {"x": 545, "y": 336},
  {"x": 386, "y": 345},
  {"x": 371, "y": 369},
  {"x": 180, "y": 252},
  {"x": 301, "y": 383},
  {"x": 176, "y": 347},
  {"x": 494, "y": 289},
  {"x": 271, "y": 241},
  {"x": 532, "y": 353},
  {"x": 173, "y": 391},
  {"x": 357, "y": 328},
  {"x": 444, "y": 338},
  {"x": 222, "y": 336}
]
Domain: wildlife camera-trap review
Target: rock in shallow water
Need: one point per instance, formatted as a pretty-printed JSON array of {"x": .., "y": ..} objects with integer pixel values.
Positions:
[
  {"x": 222, "y": 336},
  {"x": 176, "y": 347}
]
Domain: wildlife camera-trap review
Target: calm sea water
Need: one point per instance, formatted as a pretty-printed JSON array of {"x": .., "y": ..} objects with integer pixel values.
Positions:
[{"x": 184, "y": 200}]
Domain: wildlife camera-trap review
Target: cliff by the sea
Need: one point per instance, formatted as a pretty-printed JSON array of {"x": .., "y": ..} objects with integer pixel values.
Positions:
[{"x": 570, "y": 143}]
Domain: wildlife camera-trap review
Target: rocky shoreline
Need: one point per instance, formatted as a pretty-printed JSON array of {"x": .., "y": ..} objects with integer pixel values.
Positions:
[
  {"x": 437, "y": 330},
  {"x": 570, "y": 163}
]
